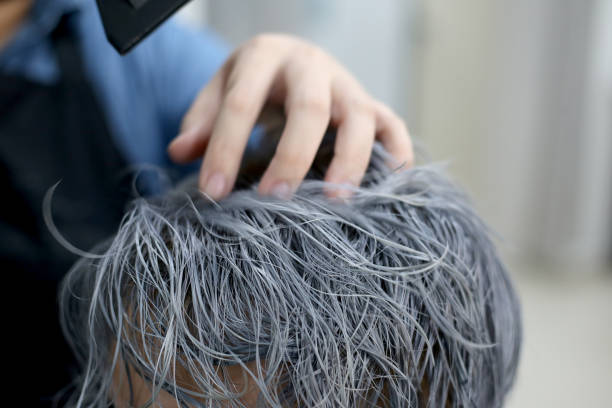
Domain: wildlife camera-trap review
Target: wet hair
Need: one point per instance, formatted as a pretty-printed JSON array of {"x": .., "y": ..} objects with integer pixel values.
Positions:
[{"x": 395, "y": 298}]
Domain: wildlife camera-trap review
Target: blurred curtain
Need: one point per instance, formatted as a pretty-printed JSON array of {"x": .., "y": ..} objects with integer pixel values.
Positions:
[{"x": 519, "y": 94}]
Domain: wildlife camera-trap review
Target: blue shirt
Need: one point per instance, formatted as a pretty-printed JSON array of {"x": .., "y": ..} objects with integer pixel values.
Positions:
[{"x": 143, "y": 95}]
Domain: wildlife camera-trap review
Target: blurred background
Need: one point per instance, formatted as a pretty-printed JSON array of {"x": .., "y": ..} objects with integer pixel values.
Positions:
[{"x": 517, "y": 98}]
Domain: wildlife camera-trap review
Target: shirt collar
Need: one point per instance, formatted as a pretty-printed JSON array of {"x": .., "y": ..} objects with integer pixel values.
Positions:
[
  {"x": 28, "y": 52},
  {"x": 46, "y": 14},
  {"x": 42, "y": 20}
]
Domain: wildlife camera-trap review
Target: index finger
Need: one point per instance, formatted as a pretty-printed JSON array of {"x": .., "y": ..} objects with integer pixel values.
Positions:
[{"x": 245, "y": 94}]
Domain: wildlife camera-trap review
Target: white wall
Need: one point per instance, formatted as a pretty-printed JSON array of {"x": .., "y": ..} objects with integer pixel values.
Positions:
[
  {"x": 195, "y": 13},
  {"x": 594, "y": 234},
  {"x": 517, "y": 95}
]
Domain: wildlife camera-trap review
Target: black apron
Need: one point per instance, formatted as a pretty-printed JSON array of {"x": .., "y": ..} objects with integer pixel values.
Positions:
[{"x": 50, "y": 133}]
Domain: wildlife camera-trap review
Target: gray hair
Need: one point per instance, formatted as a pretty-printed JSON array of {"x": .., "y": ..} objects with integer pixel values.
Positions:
[{"x": 394, "y": 298}]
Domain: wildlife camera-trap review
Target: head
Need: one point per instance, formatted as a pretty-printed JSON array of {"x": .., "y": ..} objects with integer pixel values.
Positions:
[{"x": 394, "y": 298}]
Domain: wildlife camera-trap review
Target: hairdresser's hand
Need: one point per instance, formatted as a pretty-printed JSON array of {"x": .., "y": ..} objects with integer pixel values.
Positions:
[{"x": 315, "y": 91}]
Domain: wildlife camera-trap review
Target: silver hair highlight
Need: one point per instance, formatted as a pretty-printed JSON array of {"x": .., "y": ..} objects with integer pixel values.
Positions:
[{"x": 394, "y": 298}]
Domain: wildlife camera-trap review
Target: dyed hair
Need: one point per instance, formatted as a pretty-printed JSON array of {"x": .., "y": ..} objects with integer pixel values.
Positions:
[{"x": 394, "y": 298}]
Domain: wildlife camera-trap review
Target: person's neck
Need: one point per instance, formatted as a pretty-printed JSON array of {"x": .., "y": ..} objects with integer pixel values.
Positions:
[{"x": 12, "y": 14}]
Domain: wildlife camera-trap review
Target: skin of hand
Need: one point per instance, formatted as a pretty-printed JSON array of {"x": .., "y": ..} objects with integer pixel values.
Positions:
[{"x": 315, "y": 91}]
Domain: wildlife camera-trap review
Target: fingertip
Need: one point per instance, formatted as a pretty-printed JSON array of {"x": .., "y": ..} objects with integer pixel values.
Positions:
[
  {"x": 393, "y": 133},
  {"x": 176, "y": 152},
  {"x": 174, "y": 147},
  {"x": 281, "y": 190},
  {"x": 339, "y": 185},
  {"x": 407, "y": 155},
  {"x": 409, "y": 162},
  {"x": 340, "y": 191},
  {"x": 214, "y": 186},
  {"x": 188, "y": 145},
  {"x": 344, "y": 178},
  {"x": 271, "y": 186},
  {"x": 404, "y": 160}
]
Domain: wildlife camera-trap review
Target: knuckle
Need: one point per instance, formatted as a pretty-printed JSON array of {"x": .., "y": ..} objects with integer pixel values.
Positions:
[
  {"x": 306, "y": 56},
  {"x": 257, "y": 41},
  {"x": 362, "y": 106},
  {"x": 261, "y": 41},
  {"x": 314, "y": 106},
  {"x": 239, "y": 102},
  {"x": 308, "y": 49},
  {"x": 309, "y": 52}
]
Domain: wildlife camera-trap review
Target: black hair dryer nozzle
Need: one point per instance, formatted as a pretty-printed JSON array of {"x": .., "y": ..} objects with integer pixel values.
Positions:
[{"x": 127, "y": 22}]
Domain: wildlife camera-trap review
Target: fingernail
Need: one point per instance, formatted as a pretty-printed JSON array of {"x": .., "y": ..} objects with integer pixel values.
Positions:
[
  {"x": 342, "y": 191},
  {"x": 215, "y": 185},
  {"x": 281, "y": 190}
]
